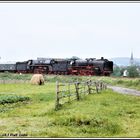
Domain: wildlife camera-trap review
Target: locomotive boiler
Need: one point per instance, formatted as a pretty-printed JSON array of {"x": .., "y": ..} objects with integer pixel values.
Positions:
[{"x": 92, "y": 66}]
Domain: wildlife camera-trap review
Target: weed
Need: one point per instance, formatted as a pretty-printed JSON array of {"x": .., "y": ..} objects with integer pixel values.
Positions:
[{"x": 4, "y": 99}]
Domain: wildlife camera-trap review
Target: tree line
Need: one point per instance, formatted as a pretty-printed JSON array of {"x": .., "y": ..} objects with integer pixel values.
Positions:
[{"x": 132, "y": 71}]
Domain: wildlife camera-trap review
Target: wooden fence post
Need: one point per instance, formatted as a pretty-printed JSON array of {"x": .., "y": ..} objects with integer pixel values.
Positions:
[
  {"x": 84, "y": 89},
  {"x": 69, "y": 91},
  {"x": 105, "y": 86},
  {"x": 89, "y": 84},
  {"x": 101, "y": 85},
  {"x": 96, "y": 85},
  {"x": 57, "y": 96},
  {"x": 77, "y": 90}
]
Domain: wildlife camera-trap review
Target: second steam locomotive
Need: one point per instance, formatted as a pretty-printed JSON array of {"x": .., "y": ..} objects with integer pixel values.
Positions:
[{"x": 89, "y": 66}]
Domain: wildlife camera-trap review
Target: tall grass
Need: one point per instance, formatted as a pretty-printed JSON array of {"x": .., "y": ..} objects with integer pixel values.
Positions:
[
  {"x": 128, "y": 82},
  {"x": 14, "y": 76},
  {"x": 108, "y": 114},
  {"x": 99, "y": 115}
]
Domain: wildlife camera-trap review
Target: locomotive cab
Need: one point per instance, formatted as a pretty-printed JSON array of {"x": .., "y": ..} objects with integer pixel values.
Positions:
[{"x": 108, "y": 68}]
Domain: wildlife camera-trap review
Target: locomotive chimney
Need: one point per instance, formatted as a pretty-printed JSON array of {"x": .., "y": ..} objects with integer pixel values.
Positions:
[{"x": 102, "y": 58}]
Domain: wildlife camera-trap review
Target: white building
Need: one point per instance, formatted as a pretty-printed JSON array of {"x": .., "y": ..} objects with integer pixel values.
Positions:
[{"x": 125, "y": 73}]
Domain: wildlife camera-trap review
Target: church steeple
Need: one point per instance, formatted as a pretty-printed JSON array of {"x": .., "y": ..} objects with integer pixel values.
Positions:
[{"x": 131, "y": 59}]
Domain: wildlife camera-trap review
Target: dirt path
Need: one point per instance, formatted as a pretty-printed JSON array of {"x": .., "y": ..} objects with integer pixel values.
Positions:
[{"x": 125, "y": 90}]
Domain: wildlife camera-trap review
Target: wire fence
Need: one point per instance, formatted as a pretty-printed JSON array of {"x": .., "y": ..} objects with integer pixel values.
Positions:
[{"x": 66, "y": 92}]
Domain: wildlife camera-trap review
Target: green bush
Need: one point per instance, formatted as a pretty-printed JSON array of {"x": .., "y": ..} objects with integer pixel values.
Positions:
[
  {"x": 4, "y": 99},
  {"x": 133, "y": 72}
]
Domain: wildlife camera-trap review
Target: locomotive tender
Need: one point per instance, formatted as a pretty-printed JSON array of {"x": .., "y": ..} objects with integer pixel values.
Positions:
[{"x": 89, "y": 66}]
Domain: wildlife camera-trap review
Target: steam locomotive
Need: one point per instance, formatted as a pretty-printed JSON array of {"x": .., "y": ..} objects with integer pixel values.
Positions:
[{"x": 89, "y": 66}]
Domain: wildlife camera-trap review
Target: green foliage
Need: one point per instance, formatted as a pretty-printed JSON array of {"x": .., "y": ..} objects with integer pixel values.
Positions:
[
  {"x": 88, "y": 122},
  {"x": 116, "y": 71},
  {"x": 4, "y": 99},
  {"x": 133, "y": 72},
  {"x": 75, "y": 57}
]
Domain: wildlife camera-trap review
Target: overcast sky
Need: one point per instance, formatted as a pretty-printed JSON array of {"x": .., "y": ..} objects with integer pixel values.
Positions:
[{"x": 31, "y": 30}]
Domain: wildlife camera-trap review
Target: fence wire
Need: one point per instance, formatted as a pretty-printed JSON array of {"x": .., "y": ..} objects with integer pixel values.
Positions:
[{"x": 66, "y": 92}]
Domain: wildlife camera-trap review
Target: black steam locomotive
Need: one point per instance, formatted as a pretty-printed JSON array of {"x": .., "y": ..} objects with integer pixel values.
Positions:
[{"x": 90, "y": 66}]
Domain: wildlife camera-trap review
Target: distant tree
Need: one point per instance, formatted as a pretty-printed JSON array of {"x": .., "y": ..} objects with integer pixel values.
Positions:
[
  {"x": 133, "y": 71},
  {"x": 75, "y": 57},
  {"x": 122, "y": 69},
  {"x": 116, "y": 71}
]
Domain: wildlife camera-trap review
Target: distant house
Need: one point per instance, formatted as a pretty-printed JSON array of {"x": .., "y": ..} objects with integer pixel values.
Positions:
[
  {"x": 138, "y": 70},
  {"x": 125, "y": 73}
]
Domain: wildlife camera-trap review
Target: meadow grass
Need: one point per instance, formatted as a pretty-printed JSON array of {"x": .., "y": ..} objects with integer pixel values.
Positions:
[
  {"x": 107, "y": 114},
  {"x": 133, "y": 83},
  {"x": 5, "y": 99},
  {"x": 120, "y": 81}
]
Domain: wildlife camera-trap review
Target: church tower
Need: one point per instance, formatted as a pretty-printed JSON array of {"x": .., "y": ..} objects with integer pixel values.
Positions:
[{"x": 131, "y": 59}]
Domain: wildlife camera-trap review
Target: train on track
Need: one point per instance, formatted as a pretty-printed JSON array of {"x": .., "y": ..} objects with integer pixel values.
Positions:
[{"x": 89, "y": 66}]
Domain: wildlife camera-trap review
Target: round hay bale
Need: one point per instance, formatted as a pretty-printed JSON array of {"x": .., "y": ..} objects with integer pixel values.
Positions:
[{"x": 37, "y": 79}]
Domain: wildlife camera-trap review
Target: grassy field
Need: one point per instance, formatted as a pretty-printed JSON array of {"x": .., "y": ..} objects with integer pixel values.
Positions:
[{"x": 107, "y": 114}]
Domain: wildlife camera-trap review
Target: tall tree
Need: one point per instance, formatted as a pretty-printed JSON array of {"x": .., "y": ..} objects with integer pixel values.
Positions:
[{"x": 132, "y": 71}]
